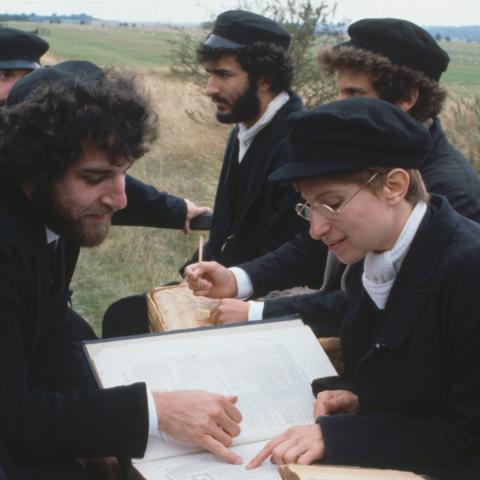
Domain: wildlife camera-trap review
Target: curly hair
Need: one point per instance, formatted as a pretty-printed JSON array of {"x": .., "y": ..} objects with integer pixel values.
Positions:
[
  {"x": 393, "y": 83},
  {"x": 48, "y": 131},
  {"x": 261, "y": 60}
]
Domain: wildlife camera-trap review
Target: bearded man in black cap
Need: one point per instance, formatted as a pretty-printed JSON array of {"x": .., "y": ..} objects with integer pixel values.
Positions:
[
  {"x": 409, "y": 396},
  {"x": 249, "y": 79},
  {"x": 20, "y": 53},
  {"x": 399, "y": 62}
]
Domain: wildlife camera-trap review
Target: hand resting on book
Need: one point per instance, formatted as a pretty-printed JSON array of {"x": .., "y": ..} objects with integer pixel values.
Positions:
[
  {"x": 201, "y": 418},
  {"x": 330, "y": 402}
]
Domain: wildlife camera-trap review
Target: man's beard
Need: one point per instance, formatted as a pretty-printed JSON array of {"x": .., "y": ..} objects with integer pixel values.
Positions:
[
  {"x": 245, "y": 108},
  {"x": 80, "y": 230}
]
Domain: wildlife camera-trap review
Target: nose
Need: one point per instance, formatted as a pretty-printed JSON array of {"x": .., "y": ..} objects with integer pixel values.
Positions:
[
  {"x": 115, "y": 196},
  {"x": 319, "y": 226},
  {"x": 211, "y": 88}
]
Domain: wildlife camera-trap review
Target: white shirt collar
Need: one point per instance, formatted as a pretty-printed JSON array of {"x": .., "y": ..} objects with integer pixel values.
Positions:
[
  {"x": 381, "y": 269},
  {"x": 51, "y": 236},
  {"x": 246, "y": 135}
]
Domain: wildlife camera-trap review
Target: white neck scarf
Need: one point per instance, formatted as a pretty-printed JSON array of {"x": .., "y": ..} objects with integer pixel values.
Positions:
[
  {"x": 381, "y": 269},
  {"x": 246, "y": 135}
]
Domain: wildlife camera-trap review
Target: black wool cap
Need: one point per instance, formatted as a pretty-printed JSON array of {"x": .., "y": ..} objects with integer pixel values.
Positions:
[
  {"x": 352, "y": 134},
  {"x": 20, "y": 50},
  {"x": 237, "y": 28},
  {"x": 71, "y": 70},
  {"x": 402, "y": 42}
]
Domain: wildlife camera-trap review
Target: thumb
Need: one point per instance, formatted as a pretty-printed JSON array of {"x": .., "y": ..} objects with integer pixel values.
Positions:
[{"x": 232, "y": 398}]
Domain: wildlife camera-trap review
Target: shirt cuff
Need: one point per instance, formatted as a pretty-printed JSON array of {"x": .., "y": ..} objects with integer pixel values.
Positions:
[
  {"x": 152, "y": 415},
  {"x": 255, "y": 311},
  {"x": 244, "y": 284}
]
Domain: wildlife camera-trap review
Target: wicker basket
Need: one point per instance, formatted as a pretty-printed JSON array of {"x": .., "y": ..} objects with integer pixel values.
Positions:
[{"x": 176, "y": 308}]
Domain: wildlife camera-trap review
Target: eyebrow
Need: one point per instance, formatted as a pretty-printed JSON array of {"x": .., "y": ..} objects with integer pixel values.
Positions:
[
  {"x": 324, "y": 194},
  {"x": 218, "y": 71},
  {"x": 95, "y": 170}
]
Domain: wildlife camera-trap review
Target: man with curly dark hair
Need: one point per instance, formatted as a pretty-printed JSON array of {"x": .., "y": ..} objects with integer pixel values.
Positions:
[
  {"x": 66, "y": 143},
  {"x": 394, "y": 60}
]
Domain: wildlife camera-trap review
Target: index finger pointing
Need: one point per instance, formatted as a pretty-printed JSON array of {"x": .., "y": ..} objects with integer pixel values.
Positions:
[
  {"x": 221, "y": 451},
  {"x": 265, "y": 452}
]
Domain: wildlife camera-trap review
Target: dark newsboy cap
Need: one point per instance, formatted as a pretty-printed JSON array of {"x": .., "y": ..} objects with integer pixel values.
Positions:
[
  {"x": 237, "y": 28},
  {"x": 71, "y": 70},
  {"x": 19, "y": 49},
  {"x": 349, "y": 135},
  {"x": 402, "y": 42}
]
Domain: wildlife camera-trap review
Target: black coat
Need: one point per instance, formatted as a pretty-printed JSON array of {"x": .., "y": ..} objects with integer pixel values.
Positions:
[
  {"x": 243, "y": 229},
  {"x": 416, "y": 368},
  {"x": 302, "y": 260},
  {"x": 49, "y": 407}
]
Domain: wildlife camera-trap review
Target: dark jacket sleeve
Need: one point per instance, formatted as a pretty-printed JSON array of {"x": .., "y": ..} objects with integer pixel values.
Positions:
[
  {"x": 147, "y": 207},
  {"x": 47, "y": 409},
  {"x": 322, "y": 311},
  {"x": 299, "y": 262}
]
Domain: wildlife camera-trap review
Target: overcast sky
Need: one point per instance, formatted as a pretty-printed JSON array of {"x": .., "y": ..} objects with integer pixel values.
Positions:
[{"x": 424, "y": 12}]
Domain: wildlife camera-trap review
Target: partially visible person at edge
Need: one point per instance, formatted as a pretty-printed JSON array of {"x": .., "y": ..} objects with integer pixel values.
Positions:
[
  {"x": 249, "y": 79},
  {"x": 65, "y": 186},
  {"x": 409, "y": 397},
  {"x": 20, "y": 53},
  {"x": 399, "y": 62}
]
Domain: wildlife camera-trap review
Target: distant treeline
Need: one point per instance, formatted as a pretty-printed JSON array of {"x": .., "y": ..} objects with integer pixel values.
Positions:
[
  {"x": 54, "y": 18},
  {"x": 470, "y": 33}
]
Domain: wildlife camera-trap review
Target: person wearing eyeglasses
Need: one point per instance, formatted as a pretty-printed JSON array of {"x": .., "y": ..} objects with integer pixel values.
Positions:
[
  {"x": 409, "y": 397},
  {"x": 396, "y": 61}
]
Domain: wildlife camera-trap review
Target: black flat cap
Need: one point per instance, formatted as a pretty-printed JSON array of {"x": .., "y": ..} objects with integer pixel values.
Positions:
[
  {"x": 402, "y": 42},
  {"x": 349, "y": 135},
  {"x": 237, "y": 28},
  {"x": 19, "y": 49},
  {"x": 71, "y": 71}
]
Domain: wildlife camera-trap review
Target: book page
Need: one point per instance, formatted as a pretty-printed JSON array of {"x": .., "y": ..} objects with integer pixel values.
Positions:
[
  {"x": 270, "y": 371},
  {"x": 204, "y": 466}
]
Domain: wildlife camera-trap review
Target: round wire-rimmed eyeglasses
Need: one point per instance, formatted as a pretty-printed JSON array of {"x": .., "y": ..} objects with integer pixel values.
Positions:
[{"x": 305, "y": 210}]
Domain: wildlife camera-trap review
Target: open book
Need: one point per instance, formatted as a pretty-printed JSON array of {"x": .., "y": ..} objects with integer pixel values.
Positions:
[
  {"x": 268, "y": 365},
  {"x": 327, "y": 472}
]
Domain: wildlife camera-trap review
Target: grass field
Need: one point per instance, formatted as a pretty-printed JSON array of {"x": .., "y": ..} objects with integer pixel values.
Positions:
[{"x": 187, "y": 158}]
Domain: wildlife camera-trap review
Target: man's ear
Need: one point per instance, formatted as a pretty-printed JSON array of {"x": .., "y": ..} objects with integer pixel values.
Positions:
[
  {"x": 264, "y": 85},
  {"x": 396, "y": 185},
  {"x": 409, "y": 102}
]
